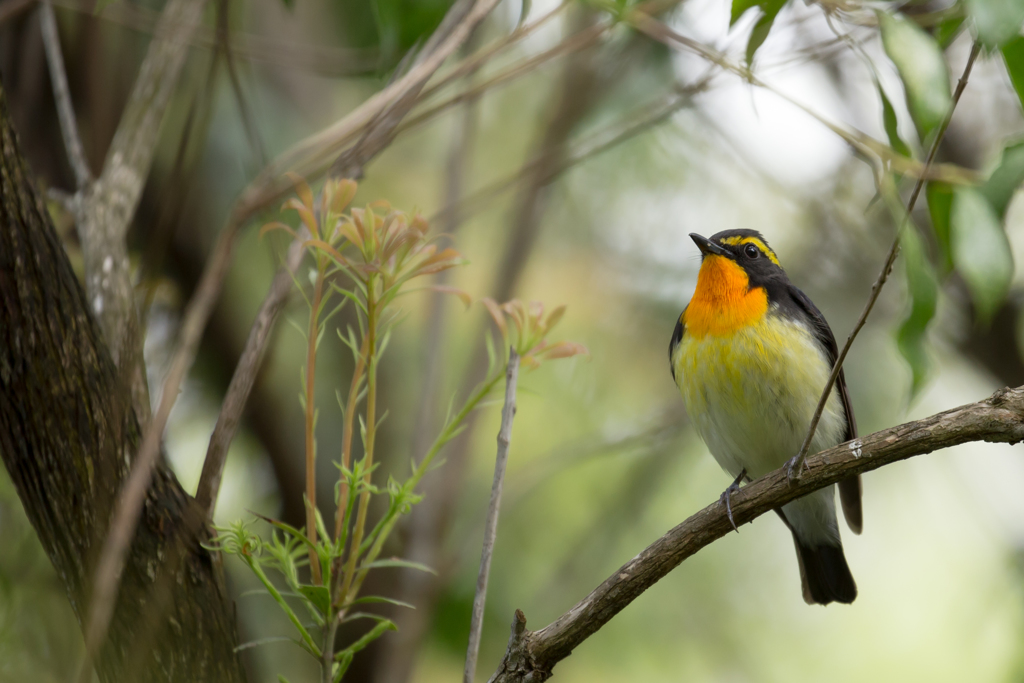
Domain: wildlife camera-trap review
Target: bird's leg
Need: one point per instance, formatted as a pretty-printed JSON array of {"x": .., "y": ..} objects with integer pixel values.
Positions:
[
  {"x": 795, "y": 468},
  {"x": 724, "y": 498}
]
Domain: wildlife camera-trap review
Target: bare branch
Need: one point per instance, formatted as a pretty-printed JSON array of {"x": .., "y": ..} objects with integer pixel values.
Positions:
[
  {"x": 336, "y": 62},
  {"x": 260, "y": 193},
  {"x": 532, "y": 655},
  {"x": 326, "y": 142},
  {"x": 242, "y": 381},
  {"x": 107, "y": 207},
  {"x": 476, "y": 625},
  {"x": 864, "y": 145},
  {"x": 62, "y": 96},
  {"x": 795, "y": 465}
]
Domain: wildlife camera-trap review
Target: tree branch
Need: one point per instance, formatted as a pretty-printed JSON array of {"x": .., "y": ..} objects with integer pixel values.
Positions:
[
  {"x": 476, "y": 625},
  {"x": 62, "y": 96},
  {"x": 105, "y": 209},
  {"x": 795, "y": 466},
  {"x": 531, "y": 655},
  {"x": 242, "y": 381}
]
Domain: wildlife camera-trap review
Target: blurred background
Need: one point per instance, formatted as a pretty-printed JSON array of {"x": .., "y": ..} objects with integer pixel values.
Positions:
[{"x": 568, "y": 170}]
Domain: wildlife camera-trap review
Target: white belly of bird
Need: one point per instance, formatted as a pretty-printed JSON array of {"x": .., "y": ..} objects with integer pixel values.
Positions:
[{"x": 751, "y": 396}]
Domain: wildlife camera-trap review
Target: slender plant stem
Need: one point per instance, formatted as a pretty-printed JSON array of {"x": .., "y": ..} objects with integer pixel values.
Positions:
[
  {"x": 62, "y": 95},
  {"x": 371, "y": 429},
  {"x": 346, "y": 437},
  {"x": 491, "y": 527},
  {"x": 447, "y": 434},
  {"x": 254, "y": 565},
  {"x": 314, "y": 333},
  {"x": 327, "y": 658},
  {"x": 342, "y": 515},
  {"x": 795, "y": 466}
]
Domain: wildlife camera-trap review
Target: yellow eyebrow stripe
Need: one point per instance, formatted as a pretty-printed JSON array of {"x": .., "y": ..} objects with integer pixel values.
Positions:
[{"x": 733, "y": 241}]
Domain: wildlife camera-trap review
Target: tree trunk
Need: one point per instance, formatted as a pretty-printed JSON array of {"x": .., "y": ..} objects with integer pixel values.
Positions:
[{"x": 68, "y": 435}]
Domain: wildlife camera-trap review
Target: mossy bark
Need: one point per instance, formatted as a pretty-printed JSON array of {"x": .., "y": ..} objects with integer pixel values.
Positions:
[{"x": 68, "y": 435}]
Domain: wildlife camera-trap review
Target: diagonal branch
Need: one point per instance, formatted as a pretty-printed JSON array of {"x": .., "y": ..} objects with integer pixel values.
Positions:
[
  {"x": 261, "y": 193},
  {"x": 104, "y": 210},
  {"x": 531, "y": 655},
  {"x": 62, "y": 96},
  {"x": 795, "y": 466},
  {"x": 245, "y": 376},
  {"x": 476, "y": 626}
]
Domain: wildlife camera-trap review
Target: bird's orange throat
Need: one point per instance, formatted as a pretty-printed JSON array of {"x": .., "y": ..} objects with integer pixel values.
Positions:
[{"x": 723, "y": 301}]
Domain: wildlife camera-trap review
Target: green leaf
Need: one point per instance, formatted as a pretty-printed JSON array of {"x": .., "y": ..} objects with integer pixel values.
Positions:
[
  {"x": 1006, "y": 179},
  {"x": 922, "y": 68},
  {"x": 1013, "y": 57},
  {"x": 889, "y": 121},
  {"x": 319, "y": 596},
  {"x": 981, "y": 252},
  {"x": 395, "y": 562},
  {"x": 769, "y": 10},
  {"x": 282, "y": 679},
  {"x": 739, "y": 7},
  {"x": 924, "y": 294},
  {"x": 373, "y": 634},
  {"x": 948, "y": 29},
  {"x": 378, "y": 598},
  {"x": 940, "y": 200},
  {"x": 996, "y": 21}
]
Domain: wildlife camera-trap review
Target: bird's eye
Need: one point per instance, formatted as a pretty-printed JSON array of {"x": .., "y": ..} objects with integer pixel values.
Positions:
[{"x": 751, "y": 251}]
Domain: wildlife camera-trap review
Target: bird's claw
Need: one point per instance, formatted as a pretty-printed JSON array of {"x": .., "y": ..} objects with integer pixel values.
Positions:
[
  {"x": 724, "y": 499},
  {"x": 794, "y": 469}
]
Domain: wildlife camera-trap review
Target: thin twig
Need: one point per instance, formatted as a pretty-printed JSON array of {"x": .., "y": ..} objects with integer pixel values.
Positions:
[
  {"x": 326, "y": 141},
  {"x": 532, "y": 655},
  {"x": 795, "y": 466},
  {"x": 245, "y": 376},
  {"x": 628, "y": 126},
  {"x": 861, "y": 143},
  {"x": 62, "y": 96},
  {"x": 244, "y": 112},
  {"x": 476, "y": 624}
]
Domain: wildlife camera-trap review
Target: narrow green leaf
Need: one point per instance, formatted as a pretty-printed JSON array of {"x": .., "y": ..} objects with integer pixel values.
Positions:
[
  {"x": 948, "y": 30},
  {"x": 981, "y": 252},
  {"x": 996, "y": 21},
  {"x": 379, "y": 598},
  {"x": 282, "y": 679},
  {"x": 373, "y": 634},
  {"x": 1013, "y": 57},
  {"x": 940, "y": 200},
  {"x": 890, "y": 123},
  {"x": 739, "y": 7},
  {"x": 319, "y": 596},
  {"x": 922, "y": 68},
  {"x": 1006, "y": 179},
  {"x": 395, "y": 562},
  {"x": 923, "y": 288},
  {"x": 763, "y": 26},
  {"x": 263, "y": 641}
]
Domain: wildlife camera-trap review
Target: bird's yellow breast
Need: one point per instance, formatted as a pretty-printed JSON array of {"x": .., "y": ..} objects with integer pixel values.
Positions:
[{"x": 751, "y": 391}]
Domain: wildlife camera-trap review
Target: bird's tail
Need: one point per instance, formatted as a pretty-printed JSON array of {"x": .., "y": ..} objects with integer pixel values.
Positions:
[{"x": 824, "y": 574}]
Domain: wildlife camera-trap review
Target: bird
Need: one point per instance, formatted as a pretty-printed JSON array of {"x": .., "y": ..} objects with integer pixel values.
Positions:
[{"x": 751, "y": 355}]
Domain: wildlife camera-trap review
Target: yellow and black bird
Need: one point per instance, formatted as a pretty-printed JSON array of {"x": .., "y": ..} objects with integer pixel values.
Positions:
[{"x": 751, "y": 355}]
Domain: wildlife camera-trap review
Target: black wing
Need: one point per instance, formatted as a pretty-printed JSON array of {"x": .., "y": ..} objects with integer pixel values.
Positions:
[
  {"x": 849, "y": 489},
  {"x": 677, "y": 336}
]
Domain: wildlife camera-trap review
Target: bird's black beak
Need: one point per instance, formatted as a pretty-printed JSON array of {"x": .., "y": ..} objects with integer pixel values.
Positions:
[{"x": 707, "y": 247}]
